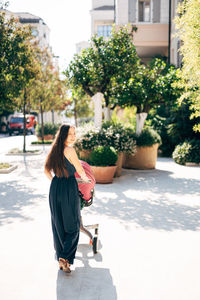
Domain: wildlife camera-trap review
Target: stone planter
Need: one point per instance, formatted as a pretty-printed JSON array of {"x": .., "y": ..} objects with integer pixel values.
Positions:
[
  {"x": 119, "y": 164},
  {"x": 104, "y": 174},
  {"x": 144, "y": 158},
  {"x": 85, "y": 154},
  {"x": 47, "y": 137}
]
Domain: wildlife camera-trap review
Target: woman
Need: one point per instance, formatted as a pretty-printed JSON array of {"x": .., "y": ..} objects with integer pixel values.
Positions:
[{"x": 64, "y": 196}]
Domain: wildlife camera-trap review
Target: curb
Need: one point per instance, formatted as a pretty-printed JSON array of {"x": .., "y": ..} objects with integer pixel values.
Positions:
[
  {"x": 191, "y": 164},
  {"x": 8, "y": 170}
]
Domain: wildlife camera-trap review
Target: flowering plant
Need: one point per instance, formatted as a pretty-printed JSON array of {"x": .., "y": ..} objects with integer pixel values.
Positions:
[{"x": 111, "y": 135}]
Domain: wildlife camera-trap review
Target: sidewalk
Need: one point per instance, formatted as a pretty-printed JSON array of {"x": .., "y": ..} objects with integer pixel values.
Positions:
[{"x": 149, "y": 237}]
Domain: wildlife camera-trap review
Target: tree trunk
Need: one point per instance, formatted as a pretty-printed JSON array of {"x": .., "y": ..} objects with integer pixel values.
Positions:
[
  {"x": 52, "y": 112},
  {"x": 42, "y": 122},
  {"x": 98, "y": 109},
  {"x": 75, "y": 113},
  {"x": 140, "y": 119},
  {"x": 107, "y": 113},
  {"x": 24, "y": 113}
]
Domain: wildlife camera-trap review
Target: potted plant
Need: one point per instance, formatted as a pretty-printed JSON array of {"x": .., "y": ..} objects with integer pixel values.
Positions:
[
  {"x": 86, "y": 143},
  {"x": 112, "y": 135},
  {"x": 50, "y": 130},
  {"x": 103, "y": 163},
  {"x": 146, "y": 151},
  {"x": 119, "y": 137}
]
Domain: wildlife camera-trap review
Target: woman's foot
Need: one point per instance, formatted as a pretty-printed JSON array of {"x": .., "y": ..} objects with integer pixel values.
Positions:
[{"x": 64, "y": 265}]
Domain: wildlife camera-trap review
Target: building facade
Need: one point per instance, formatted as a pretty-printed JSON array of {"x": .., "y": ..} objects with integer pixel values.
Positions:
[
  {"x": 102, "y": 17},
  {"x": 151, "y": 17},
  {"x": 175, "y": 43}
]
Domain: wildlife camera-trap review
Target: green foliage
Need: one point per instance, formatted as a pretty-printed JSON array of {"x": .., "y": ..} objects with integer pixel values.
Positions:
[
  {"x": 46, "y": 90},
  {"x": 49, "y": 128},
  {"x": 188, "y": 26},
  {"x": 18, "y": 63},
  {"x": 127, "y": 116},
  {"x": 147, "y": 86},
  {"x": 4, "y": 166},
  {"x": 111, "y": 134},
  {"x": 174, "y": 125},
  {"x": 148, "y": 137},
  {"x": 80, "y": 105},
  {"x": 189, "y": 151},
  {"x": 49, "y": 142},
  {"x": 103, "y": 156},
  {"x": 95, "y": 68}
]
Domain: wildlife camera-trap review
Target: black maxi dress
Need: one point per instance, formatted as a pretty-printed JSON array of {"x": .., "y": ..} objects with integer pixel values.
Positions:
[{"x": 64, "y": 204}]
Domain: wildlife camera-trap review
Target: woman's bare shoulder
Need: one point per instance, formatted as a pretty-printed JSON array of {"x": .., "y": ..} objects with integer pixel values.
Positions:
[{"x": 69, "y": 151}]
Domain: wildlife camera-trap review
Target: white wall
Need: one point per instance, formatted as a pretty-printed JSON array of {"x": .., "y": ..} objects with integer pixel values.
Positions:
[
  {"x": 121, "y": 12},
  {"x": 164, "y": 18},
  {"x": 98, "y": 3},
  {"x": 101, "y": 17}
]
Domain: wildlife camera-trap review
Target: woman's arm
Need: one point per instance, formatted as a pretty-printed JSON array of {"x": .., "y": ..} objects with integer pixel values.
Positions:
[
  {"x": 48, "y": 174},
  {"x": 70, "y": 153}
]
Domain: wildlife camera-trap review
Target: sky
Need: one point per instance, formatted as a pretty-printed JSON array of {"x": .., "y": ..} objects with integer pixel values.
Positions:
[{"x": 69, "y": 22}]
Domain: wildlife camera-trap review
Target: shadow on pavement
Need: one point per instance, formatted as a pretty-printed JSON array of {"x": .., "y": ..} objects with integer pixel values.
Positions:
[
  {"x": 86, "y": 283},
  {"x": 150, "y": 199},
  {"x": 14, "y": 198}
]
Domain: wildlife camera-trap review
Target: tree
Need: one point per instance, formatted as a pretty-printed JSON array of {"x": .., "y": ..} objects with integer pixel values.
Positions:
[
  {"x": 46, "y": 92},
  {"x": 188, "y": 25},
  {"x": 17, "y": 60},
  {"x": 94, "y": 69},
  {"x": 146, "y": 88},
  {"x": 80, "y": 105}
]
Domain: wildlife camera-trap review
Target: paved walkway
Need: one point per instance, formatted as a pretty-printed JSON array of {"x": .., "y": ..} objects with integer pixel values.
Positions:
[{"x": 149, "y": 237}]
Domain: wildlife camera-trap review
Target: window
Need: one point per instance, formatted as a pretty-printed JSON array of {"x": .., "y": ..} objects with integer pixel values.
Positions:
[
  {"x": 104, "y": 30},
  {"x": 144, "y": 7}
]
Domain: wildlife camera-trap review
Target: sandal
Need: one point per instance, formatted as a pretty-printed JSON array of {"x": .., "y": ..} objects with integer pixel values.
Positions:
[{"x": 64, "y": 265}]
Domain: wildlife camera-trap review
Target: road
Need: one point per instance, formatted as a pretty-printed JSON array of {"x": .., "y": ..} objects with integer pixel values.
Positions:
[
  {"x": 8, "y": 142},
  {"x": 149, "y": 235}
]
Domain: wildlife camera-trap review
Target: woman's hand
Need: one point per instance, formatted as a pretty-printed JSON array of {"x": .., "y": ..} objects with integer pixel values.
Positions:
[
  {"x": 48, "y": 174},
  {"x": 85, "y": 179}
]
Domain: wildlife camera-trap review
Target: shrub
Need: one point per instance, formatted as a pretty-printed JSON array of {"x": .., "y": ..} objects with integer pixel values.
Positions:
[
  {"x": 49, "y": 128},
  {"x": 103, "y": 156},
  {"x": 148, "y": 137},
  {"x": 189, "y": 151},
  {"x": 111, "y": 135},
  {"x": 88, "y": 141}
]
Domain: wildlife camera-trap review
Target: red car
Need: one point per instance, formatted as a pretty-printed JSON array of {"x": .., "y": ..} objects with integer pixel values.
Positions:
[{"x": 16, "y": 124}]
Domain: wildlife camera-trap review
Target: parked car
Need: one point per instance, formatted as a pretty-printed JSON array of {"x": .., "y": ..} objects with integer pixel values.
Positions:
[{"x": 16, "y": 124}]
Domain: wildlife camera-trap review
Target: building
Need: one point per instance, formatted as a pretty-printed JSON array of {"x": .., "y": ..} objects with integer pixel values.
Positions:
[
  {"x": 175, "y": 43},
  {"x": 151, "y": 17},
  {"x": 40, "y": 30},
  {"x": 102, "y": 17}
]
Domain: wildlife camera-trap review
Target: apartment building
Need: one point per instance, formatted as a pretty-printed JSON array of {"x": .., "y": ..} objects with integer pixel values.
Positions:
[
  {"x": 102, "y": 17},
  {"x": 40, "y": 30},
  {"x": 175, "y": 43},
  {"x": 150, "y": 16}
]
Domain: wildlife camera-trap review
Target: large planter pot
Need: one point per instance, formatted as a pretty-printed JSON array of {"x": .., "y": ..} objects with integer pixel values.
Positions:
[
  {"x": 85, "y": 154},
  {"x": 119, "y": 164},
  {"x": 104, "y": 174},
  {"x": 144, "y": 158},
  {"x": 47, "y": 137}
]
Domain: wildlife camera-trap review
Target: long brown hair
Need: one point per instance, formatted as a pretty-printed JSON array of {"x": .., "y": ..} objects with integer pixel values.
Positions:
[{"x": 55, "y": 158}]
